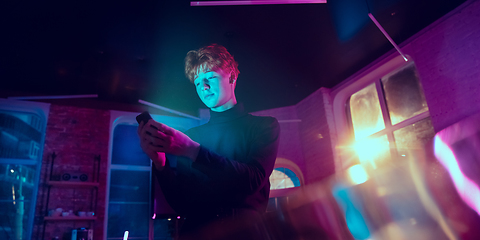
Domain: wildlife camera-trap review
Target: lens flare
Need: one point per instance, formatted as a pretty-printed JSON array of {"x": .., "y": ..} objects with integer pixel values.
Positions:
[
  {"x": 466, "y": 188},
  {"x": 357, "y": 174},
  {"x": 369, "y": 150}
]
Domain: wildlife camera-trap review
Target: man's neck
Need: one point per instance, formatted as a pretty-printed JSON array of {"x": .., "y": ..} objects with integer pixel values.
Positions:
[{"x": 228, "y": 105}]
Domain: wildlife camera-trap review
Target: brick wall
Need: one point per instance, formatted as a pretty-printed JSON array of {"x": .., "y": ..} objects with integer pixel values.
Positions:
[
  {"x": 290, "y": 146},
  {"x": 315, "y": 137},
  {"x": 76, "y": 135},
  {"x": 447, "y": 55}
]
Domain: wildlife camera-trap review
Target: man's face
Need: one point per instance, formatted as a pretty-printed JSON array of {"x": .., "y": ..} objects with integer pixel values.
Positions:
[{"x": 215, "y": 90}]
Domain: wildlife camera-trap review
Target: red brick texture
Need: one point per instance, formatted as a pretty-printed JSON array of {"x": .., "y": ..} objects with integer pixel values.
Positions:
[{"x": 76, "y": 135}]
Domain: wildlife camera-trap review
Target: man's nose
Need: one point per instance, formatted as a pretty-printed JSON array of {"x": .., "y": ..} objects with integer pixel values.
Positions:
[{"x": 206, "y": 86}]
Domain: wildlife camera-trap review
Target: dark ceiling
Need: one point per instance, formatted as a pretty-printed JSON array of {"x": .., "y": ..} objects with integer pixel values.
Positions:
[{"x": 129, "y": 50}]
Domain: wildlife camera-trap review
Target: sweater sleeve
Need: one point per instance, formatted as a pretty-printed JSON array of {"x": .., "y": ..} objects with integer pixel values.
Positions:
[{"x": 249, "y": 176}]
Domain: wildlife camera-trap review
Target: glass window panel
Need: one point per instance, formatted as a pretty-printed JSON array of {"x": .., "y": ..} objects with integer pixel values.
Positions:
[
  {"x": 414, "y": 136},
  {"x": 16, "y": 190},
  {"x": 20, "y": 135},
  {"x": 293, "y": 177},
  {"x": 129, "y": 186},
  {"x": 126, "y": 147},
  {"x": 128, "y": 217},
  {"x": 404, "y": 94},
  {"x": 279, "y": 180},
  {"x": 365, "y": 111}
]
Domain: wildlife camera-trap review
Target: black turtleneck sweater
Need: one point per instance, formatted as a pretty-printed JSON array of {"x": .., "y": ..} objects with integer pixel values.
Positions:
[{"x": 236, "y": 157}]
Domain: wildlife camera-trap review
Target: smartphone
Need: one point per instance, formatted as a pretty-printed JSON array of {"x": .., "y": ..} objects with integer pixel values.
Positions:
[{"x": 143, "y": 117}]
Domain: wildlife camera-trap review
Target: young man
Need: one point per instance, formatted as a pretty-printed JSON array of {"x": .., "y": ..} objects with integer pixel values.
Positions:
[{"x": 223, "y": 167}]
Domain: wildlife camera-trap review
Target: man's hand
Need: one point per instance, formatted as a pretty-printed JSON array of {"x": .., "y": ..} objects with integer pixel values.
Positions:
[{"x": 165, "y": 139}]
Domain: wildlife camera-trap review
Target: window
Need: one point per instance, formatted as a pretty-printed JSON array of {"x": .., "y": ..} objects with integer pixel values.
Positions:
[
  {"x": 284, "y": 180},
  {"x": 22, "y": 133},
  {"x": 131, "y": 197},
  {"x": 389, "y": 117}
]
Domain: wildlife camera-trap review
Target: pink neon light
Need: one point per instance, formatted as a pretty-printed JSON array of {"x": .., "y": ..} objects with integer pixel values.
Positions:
[
  {"x": 468, "y": 190},
  {"x": 252, "y": 2}
]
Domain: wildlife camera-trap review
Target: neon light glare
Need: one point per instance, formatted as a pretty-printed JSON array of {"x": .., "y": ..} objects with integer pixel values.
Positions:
[
  {"x": 125, "y": 235},
  {"x": 154, "y": 216},
  {"x": 252, "y": 2},
  {"x": 466, "y": 188}
]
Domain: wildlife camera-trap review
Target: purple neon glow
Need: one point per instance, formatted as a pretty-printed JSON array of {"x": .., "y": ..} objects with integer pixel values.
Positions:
[
  {"x": 252, "y": 2},
  {"x": 466, "y": 188}
]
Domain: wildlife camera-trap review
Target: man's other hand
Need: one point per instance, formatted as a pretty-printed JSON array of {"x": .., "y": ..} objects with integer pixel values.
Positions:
[{"x": 158, "y": 137}]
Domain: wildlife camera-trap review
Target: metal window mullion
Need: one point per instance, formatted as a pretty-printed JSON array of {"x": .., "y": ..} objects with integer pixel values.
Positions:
[
  {"x": 386, "y": 117},
  {"x": 410, "y": 121}
]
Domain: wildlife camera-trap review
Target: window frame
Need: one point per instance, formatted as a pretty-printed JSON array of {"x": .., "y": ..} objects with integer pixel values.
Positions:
[
  {"x": 129, "y": 118},
  {"x": 41, "y": 110},
  {"x": 285, "y": 163},
  {"x": 341, "y": 95}
]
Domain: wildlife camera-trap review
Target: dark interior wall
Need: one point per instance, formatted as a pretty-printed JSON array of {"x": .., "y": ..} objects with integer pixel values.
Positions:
[{"x": 76, "y": 135}]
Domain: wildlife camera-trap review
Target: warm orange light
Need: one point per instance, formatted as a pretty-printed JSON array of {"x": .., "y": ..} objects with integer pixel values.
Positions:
[
  {"x": 357, "y": 174},
  {"x": 369, "y": 150}
]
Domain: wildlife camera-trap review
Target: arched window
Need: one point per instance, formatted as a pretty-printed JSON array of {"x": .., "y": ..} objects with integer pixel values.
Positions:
[
  {"x": 285, "y": 178},
  {"x": 282, "y": 178}
]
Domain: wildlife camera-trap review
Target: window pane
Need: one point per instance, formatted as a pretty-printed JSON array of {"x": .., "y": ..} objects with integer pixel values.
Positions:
[
  {"x": 404, "y": 94},
  {"x": 129, "y": 186},
  {"x": 365, "y": 112},
  {"x": 128, "y": 217},
  {"x": 16, "y": 194},
  {"x": 414, "y": 136},
  {"x": 279, "y": 180},
  {"x": 126, "y": 147},
  {"x": 20, "y": 135}
]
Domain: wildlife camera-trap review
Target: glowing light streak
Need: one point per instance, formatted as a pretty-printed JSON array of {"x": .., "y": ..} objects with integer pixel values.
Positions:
[
  {"x": 54, "y": 97},
  {"x": 13, "y": 194},
  {"x": 387, "y": 36},
  {"x": 252, "y": 2},
  {"x": 167, "y": 109},
  {"x": 466, "y": 188},
  {"x": 125, "y": 235}
]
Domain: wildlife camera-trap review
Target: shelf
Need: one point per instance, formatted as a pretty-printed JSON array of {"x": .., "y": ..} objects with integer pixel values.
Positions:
[
  {"x": 72, "y": 184},
  {"x": 70, "y": 218}
]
